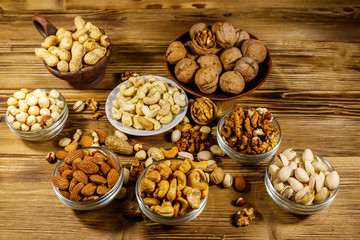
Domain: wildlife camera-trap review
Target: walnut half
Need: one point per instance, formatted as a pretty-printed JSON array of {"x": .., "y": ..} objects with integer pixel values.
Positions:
[{"x": 244, "y": 217}]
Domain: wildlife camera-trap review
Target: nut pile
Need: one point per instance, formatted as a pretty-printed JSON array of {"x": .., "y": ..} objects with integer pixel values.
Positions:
[
  {"x": 303, "y": 178},
  {"x": 72, "y": 51},
  {"x": 85, "y": 176},
  {"x": 250, "y": 131},
  {"x": 147, "y": 103},
  {"x": 35, "y": 110},
  {"x": 219, "y": 56}
]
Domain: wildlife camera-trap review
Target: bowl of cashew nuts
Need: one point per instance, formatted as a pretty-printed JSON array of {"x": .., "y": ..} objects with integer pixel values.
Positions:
[
  {"x": 172, "y": 191},
  {"x": 146, "y": 105}
]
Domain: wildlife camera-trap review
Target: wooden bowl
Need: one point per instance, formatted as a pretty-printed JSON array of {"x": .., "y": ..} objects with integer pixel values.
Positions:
[
  {"x": 263, "y": 74},
  {"x": 210, "y": 120},
  {"x": 84, "y": 78}
]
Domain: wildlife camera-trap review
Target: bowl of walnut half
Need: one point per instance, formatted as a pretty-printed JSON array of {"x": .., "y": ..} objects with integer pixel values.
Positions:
[
  {"x": 79, "y": 57},
  {"x": 249, "y": 135},
  {"x": 219, "y": 62}
]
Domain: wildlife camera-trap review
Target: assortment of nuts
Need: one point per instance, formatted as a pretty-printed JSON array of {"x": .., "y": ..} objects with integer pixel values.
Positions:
[
  {"x": 303, "y": 178},
  {"x": 35, "y": 110},
  {"x": 147, "y": 103},
  {"x": 72, "y": 51},
  {"x": 250, "y": 131},
  {"x": 219, "y": 56}
]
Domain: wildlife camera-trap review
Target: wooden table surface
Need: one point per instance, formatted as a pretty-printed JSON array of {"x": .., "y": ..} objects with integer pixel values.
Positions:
[{"x": 313, "y": 90}]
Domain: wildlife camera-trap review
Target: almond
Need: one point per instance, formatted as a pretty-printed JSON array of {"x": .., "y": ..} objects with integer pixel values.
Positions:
[
  {"x": 86, "y": 141},
  {"x": 75, "y": 163},
  {"x": 60, "y": 154},
  {"x": 74, "y": 195},
  {"x": 63, "y": 167},
  {"x": 105, "y": 168},
  {"x": 72, "y": 147},
  {"x": 102, "y": 189},
  {"x": 112, "y": 177},
  {"x": 99, "y": 157},
  {"x": 239, "y": 183},
  {"x": 93, "y": 197},
  {"x": 72, "y": 184},
  {"x": 88, "y": 167},
  {"x": 67, "y": 174},
  {"x": 97, "y": 160},
  {"x": 81, "y": 177},
  {"x": 97, "y": 179},
  {"x": 66, "y": 194},
  {"x": 74, "y": 155},
  {"x": 60, "y": 182},
  {"x": 112, "y": 162},
  {"x": 101, "y": 136},
  {"x": 88, "y": 189}
]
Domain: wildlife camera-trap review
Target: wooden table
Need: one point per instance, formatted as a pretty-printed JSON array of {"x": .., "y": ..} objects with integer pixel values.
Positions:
[{"x": 313, "y": 91}]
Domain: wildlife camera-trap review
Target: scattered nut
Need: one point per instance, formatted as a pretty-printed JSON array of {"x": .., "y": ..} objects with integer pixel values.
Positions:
[
  {"x": 79, "y": 106},
  {"x": 141, "y": 155},
  {"x": 217, "y": 176},
  {"x": 118, "y": 145},
  {"x": 50, "y": 157},
  {"x": 126, "y": 173},
  {"x": 138, "y": 147},
  {"x": 127, "y": 74},
  {"x": 244, "y": 217},
  {"x": 122, "y": 194},
  {"x": 228, "y": 181},
  {"x": 64, "y": 142},
  {"x": 239, "y": 183},
  {"x": 175, "y": 135},
  {"x": 93, "y": 104},
  {"x": 97, "y": 115},
  {"x": 216, "y": 150},
  {"x": 77, "y": 135},
  {"x": 241, "y": 201},
  {"x": 148, "y": 161}
]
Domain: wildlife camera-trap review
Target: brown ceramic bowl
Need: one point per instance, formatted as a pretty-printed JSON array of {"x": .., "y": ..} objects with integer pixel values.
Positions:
[
  {"x": 263, "y": 74},
  {"x": 84, "y": 78}
]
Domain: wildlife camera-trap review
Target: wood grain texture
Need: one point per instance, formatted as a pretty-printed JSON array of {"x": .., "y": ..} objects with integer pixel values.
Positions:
[{"x": 313, "y": 91}]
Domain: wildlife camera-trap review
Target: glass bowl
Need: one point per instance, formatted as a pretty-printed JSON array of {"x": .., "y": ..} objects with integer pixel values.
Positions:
[
  {"x": 46, "y": 133},
  {"x": 246, "y": 159},
  {"x": 101, "y": 201},
  {"x": 293, "y": 207},
  {"x": 161, "y": 219}
]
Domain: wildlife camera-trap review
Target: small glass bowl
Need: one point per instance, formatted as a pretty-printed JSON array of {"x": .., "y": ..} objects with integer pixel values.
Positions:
[
  {"x": 46, "y": 133},
  {"x": 293, "y": 207},
  {"x": 246, "y": 159},
  {"x": 161, "y": 219},
  {"x": 101, "y": 201}
]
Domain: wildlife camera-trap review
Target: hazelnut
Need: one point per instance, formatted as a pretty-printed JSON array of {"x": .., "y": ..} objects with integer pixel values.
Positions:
[
  {"x": 210, "y": 60},
  {"x": 241, "y": 201},
  {"x": 185, "y": 70},
  {"x": 206, "y": 79},
  {"x": 247, "y": 67},
  {"x": 130, "y": 209},
  {"x": 175, "y": 52},
  {"x": 229, "y": 57},
  {"x": 232, "y": 82},
  {"x": 254, "y": 48},
  {"x": 50, "y": 157},
  {"x": 239, "y": 183}
]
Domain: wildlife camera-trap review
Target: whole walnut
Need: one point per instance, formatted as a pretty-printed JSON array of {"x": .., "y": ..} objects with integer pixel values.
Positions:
[
  {"x": 185, "y": 70},
  {"x": 175, "y": 52},
  {"x": 247, "y": 67},
  {"x": 190, "y": 52},
  {"x": 225, "y": 34},
  {"x": 197, "y": 27},
  {"x": 232, "y": 82},
  {"x": 210, "y": 60},
  {"x": 241, "y": 37},
  {"x": 254, "y": 48},
  {"x": 207, "y": 78},
  {"x": 229, "y": 57}
]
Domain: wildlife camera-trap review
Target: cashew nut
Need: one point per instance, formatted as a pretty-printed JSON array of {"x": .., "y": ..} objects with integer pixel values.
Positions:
[
  {"x": 164, "y": 170},
  {"x": 155, "y": 153},
  {"x": 172, "y": 90},
  {"x": 176, "y": 208},
  {"x": 165, "y": 107},
  {"x": 153, "y": 175},
  {"x": 153, "y": 97},
  {"x": 126, "y": 119},
  {"x": 170, "y": 153},
  {"x": 127, "y": 107},
  {"x": 199, "y": 165},
  {"x": 175, "y": 164},
  {"x": 184, "y": 206},
  {"x": 194, "y": 180},
  {"x": 149, "y": 113},
  {"x": 146, "y": 123},
  {"x": 138, "y": 108},
  {"x": 185, "y": 166},
  {"x": 175, "y": 109},
  {"x": 179, "y": 99},
  {"x": 193, "y": 196},
  {"x": 147, "y": 185},
  {"x": 155, "y": 122},
  {"x": 151, "y": 201},
  {"x": 166, "y": 209},
  {"x": 163, "y": 188},
  {"x": 168, "y": 98},
  {"x": 136, "y": 81},
  {"x": 166, "y": 119},
  {"x": 204, "y": 189},
  {"x": 171, "y": 194},
  {"x": 143, "y": 90},
  {"x": 181, "y": 179},
  {"x": 129, "y": 92},
  {"x": 116, "y": 113},
  {"x": 154, "y": 107}
]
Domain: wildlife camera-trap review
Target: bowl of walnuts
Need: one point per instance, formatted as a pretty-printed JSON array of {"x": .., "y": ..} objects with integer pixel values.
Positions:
[
  {"x": 219, "y": 62},
  {"x": 79, "y": 56}
]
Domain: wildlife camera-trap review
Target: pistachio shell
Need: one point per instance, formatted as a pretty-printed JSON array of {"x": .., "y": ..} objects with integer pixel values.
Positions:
[
  {"x": 204, "y": 155},
  {"x": 307, "y": 156},
  {"x": 315, "y": 182},
  {"x": 322, "y": 195},
  {"x": 332, "y": 180},
  {"x": 287, "y": 192},
  {"x": 322, "y": 176},
  {"x": 295, "y": 184},
  {"x": 309, "y": 168},
  {"x": 305, "y": 195},
  {"x": 289, "y": 153},
  {"x": 281, "y": 161},
  {"x": 278, "y": 185},
  {"x": 301, "y": 175},
  {"x": 293, "y": 165},
  {"x": 284, "y": 173},
  {"x": 273, "y": 169},
  {"x": 319, "y": 167},
  {"x": 297, "y": 159}
]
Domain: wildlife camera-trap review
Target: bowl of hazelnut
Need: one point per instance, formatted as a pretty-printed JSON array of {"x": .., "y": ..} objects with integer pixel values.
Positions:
[
  {"x": 171, "y": 191},
  {"x": 37, "y": 115},
  {"x": 79, "y": 57},
  {"x": 249, "y": 135},
  {"x": 219, "y": 62},
  {"x": 301, "y": 182}
]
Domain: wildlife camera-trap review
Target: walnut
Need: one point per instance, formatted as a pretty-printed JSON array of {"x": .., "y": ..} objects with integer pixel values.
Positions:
[
  {"x": 247, "y": 67},
  {"x": 185, "y": 70},
  {"x": 241, "y": 37},
  {"x": 232, "y": 82},
  {"x": 254, "y": 48},
  {"x": 190, "y": 52},
  {"x": 204, "y": 43},
  {"x": 175, "y": 52},
  {"x": 244, "y": 217},
  {"x": 210, "y": 60},
  {"x": 198, "y": 27},
  {"x": 229, "y": 57},
  {"x": 206, "y": 79},
  {"x": 225, "y": 34}
]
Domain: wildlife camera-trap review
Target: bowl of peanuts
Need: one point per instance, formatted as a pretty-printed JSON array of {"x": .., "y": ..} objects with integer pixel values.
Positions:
[
  {"x": 88, "y": 178},
  {"x": 36, "y": 115},
  {"x": 78, "y": 57},
  {"x": 171, "y": 191}
]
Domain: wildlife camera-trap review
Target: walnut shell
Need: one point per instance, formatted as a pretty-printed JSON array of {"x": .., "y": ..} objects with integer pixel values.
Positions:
[
  {"x": 241, "y": 37},
  {"x": 232, "y": 82},
  {"x": 247, "y": 67},
  {"x": 254, "y": 48},
  {"x": 204, "y": 42},
  {"x": 185, "y": 70},
  {"x": 175, "y": 52},
  {"x": 229, "y": 57},
  {"x": 210, "y": 60},
  {"x": 196, "y": 28},
  {"x": 225, "y": 34},
  {"x": 206, "y": 79},
  {"x": 190, "y": 52}
]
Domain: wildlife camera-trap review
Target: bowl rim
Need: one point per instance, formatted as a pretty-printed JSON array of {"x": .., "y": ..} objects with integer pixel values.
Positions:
[{"x": 287, "y": 202}]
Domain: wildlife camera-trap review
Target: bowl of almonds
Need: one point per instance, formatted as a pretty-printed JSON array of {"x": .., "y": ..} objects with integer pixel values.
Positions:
[{"x": 88, "y": 178}]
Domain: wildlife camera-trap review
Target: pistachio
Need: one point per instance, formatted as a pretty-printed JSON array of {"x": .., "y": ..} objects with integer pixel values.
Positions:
[
  {"x": 332, "y": 180},
  {"x": 205, "y": 129},
  {"x": 309, "y": 168},
  {"x": 228, "y": 180},
  {"x": 278, "y": 185},
  {"x": 185, "y": 155},
  {"x": 289, "y": 153},
  {"x": 126, "y": 173},
  {"x": 149, "y": 161},
  {"x": 273, "y": 170},
  {"x": 281, "y": 160},
  {"x": 305, "y": 195},
  {"x": 284, "y": 173},
  {"x": 287, "y": 192},
  {"x": 204, "y": 155},
  {"x": 207, "y": 177},
  {"x": 79, "y": 106},
  {"x": 319, "y": 166},
  {"x": 322, "y": 195},
  {"x": 307, "y": 156},
  {"x": 301, "y": 175},
  {"x": 293, "y": 165},
  {"x": 175, "y": 135},
  {"x": 315, "y": 182},
  {"x": 216, "y": 150},
  {"x": 211, "y": 165},
  {"x": 295, "y": 184}
]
